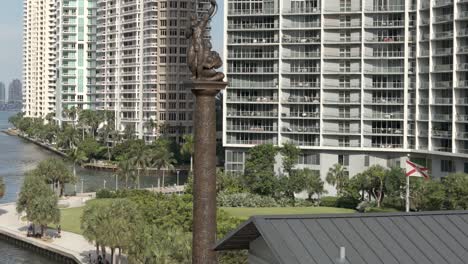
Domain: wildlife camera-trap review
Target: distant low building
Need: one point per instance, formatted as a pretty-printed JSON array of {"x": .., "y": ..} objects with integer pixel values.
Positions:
[
  {"x": 429, "y": 237},
  {"x": 15, "y": 94},
  {"x": 2, "y": 93}
]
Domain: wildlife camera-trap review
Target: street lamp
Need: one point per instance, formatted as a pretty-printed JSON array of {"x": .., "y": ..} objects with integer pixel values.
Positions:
[
  {"x": 178, "y": 171},
  {"x": 82, "y": 183}
]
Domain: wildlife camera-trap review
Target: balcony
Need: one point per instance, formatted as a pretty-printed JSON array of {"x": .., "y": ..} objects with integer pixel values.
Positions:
[
  {"x": 302, "y": 99},
  {"x": 385, "y": 54},
  {"x": 385, "y": 39},
  {"x": 463, "y": 15},
  {"x": 253, "y": 26},
  {"x": 302, "y": 85},
  {"x": 385, "y": 70},
  {"x": 342, "y": 55},
  {"x": 442, "y": 117},
  {"x": 443, "y": 18},
  {"x": 341, "y": 40},
  {"x": 252, "y": 70},
  {"x": 462, "y": 67},
  {"x": 384, "y": 116},
  {"x": 342, "y": 87},
  {"x": 301, "y": 129},
  {"x": 342, "y": 100},
  {"x": 302, "y": 55},
  {"x": 423, "y": 101},
  {"x": 294, "y": 24},
  {"x": 341, "y": 131},
  {"x": 442, "y": 68},
  {"x": 301, "y": 70},
  {"x": 252, "y": 55},
  {"x": 462, "y": 118},
  {"x": 301, "y": 40},
  {"x": 443, "y": 35},
  {"x": 462, "y": 84},
  {"x": 302, "y": 10},
  {"x": 343, "y": 144},
  {"x": 462, "y": 135},
  {"x": 384, "y": 100},
  {"x": 443, "y": 52},
  {"x": 307, "y": 143},
  {"x": 442, "y": 101},
  {"x": 253, "y": 41},
  {"x": 342, "y": 116},
  {"x": 343, "y": 9},
  {"x": 338, "y": 24},
  {"x": 442, "y": 134},
  {"x": 441, "y": 3},
  {"x": 254, "y": 12},
  {"x": 384, "y": 145},
  {"x": 250, "y": 128},
  {"x": 250, "y": 141},
  {"x": 385, "y": 85},
  {"x": 252, "y": 114},
  {"x": 388, "y": 23},
  {"x": 252, "y": 99},
  {"x": 386, "y": 8},
  {"x": 385, "y": 131},
  {"x": 443, "y": 85},
  {"x": 352, "y": 70},
  {"x": 306, "y": 115}
]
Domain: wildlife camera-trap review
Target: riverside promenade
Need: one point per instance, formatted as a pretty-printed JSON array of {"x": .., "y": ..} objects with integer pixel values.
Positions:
[{"x": 70, "y": 245}]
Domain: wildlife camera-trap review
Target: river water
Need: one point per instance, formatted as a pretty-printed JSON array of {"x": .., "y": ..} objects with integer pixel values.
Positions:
[{"x": 17, "y": 156}]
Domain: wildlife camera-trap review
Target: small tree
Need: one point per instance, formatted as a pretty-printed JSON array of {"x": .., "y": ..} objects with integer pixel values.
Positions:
[
  {"x": 427, "y": 194},
  {"x": 55, "y": 171},
  {"x": 313, "y": 183},
  {"x": 290, "y": 154},
  {"x": 38, "y": 201},
  {"x": 259, "y": 176},
  {"x": 456, "y": 186},
  {"x": 377, "y": 174},
  {"x": 188, "y": 148},
  {"x": 338, "y": 177}
]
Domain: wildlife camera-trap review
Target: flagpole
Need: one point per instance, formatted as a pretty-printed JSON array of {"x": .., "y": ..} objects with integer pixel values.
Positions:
[
  {"x": 407, "y": 187},
  {"x": 407, "y": 195}
]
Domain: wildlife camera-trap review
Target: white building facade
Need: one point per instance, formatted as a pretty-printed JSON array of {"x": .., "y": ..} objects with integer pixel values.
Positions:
[
  {"x": 142, "y": 64},
  {"x": 39, "y": 67},
  {"x": 76, "y": 56},
  {"x": 348, "y": 81}
]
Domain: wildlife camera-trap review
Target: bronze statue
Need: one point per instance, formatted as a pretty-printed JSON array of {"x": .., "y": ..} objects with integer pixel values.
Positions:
[{"x": 202, "y": 61}]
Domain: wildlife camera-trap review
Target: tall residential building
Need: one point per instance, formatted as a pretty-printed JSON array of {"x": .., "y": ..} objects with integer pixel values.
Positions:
[
  {"x": 15, "y": 94},
  {"x": 141, "y": 65},
  {"x": 3, "y": 93},
  {"x": 349, "y": 81},
  {"x": 39, "y": 57},
  {"x": 75, "y": 55}
]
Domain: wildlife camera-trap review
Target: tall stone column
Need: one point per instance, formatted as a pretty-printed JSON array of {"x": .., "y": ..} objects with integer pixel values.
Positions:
[{"x": 204, "y": 178}]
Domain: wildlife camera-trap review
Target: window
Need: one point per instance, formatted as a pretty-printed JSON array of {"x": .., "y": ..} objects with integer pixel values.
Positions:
[
  {"x": 447, "y": 166},
  {"x": 343, "y": 160},
  {"x": 366, "y": 160},
  {"x": 309, "y": 159}
]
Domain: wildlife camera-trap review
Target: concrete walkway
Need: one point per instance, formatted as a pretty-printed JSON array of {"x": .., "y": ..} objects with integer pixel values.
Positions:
[{"x": 70, "y": 244}]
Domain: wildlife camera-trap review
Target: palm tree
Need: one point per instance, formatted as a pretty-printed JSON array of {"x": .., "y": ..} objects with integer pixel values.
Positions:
[
  {"x": 164, "y": 160},
  {"x": 188, "y": 148},
  {"x": 141, "y": 161},
  {"x": 68, "y": 138},
  {"x": 76, "y": 155},
  {"x": 337, "y": 176},
  {"x": 125, "y": 171}
]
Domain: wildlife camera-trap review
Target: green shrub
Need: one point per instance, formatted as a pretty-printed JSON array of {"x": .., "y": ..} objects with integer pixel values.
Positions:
[
  {"x": 328, "y": 201},
  {"x": 347, "y": 202},
  {"x": 304, "y": 203},
  {"x": 245, "y": 200},
  {"x": 105, "y": 194}
]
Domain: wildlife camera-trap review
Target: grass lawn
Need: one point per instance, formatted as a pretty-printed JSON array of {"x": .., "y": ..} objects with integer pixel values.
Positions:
[
  {"x": 71, "y": 217},
  {"x": 245, "y": 213}
]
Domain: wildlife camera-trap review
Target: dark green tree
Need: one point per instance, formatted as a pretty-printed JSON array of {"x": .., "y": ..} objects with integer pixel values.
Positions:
[
  {"x": 290, "y": 154},
  {"x": 456, "y": 186},
  {"x": 259, "y": 176}
]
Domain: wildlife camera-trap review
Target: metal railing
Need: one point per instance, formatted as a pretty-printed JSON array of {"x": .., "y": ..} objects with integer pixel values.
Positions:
[
  {"x": 301, "y": 129},
  {"x": 251, "y": 114},
  {"x": 301, "y": 114}
]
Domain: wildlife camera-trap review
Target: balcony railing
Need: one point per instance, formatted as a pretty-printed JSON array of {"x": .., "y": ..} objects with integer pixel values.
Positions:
[
  {"x": 385, "y": 8},
  {"x": 443, "y": 67},
  {"x": 385, "y": 115},
  {"x": 386, "y": 131},
  {"x": 441, "y": 133},
  {"x": 442, "y": 117},
  {"x": 258, "y": 99},
  {"x": 263, "y": 11},
  {"x": 342, "y": 86},
  {"x": 343, "y": 144},
  {"x": 342, "y": 115},
  {"x": 252, "y": 70},
  {"x": 387, "y": 85},
  {"x": 343, "y": 100},
  {"x": 440, "y": 3},
  {"x": 463, "y": 33},
  {"x": 385, "y": 145},
  {"x": 251, "y": 141},
  {"x": 443, "y": 18},
  {"x": 302, "y": 10},
  {"x": 303, "y": 40},
  {"x": 302, "y": 85},
  {"x": 302, "y": 99},
  {"x": 312, "y": 24},
  {"x": 301, "y": 114},
  {"x": 442, "y": 101},
  {"x": 254, "y": 26},
  {"x": 443, "y": 85},
  {"x": 342, "y": 131},
  {"x": 252, "y": 55},
  {"x": 462, "y": 118},
  {"x": 463, "y": 14},
  {"x": 302, "y": 142},
  {"x": 352, "y": 69},
  {"x": 461, "y": 84},
  {"x": 302, "y": 55},
  {"x": 301, "y": 129},
  {"x": 385, "y": 38},
  {"x": 385, "y": 100},
  {"x": 338, "y": 39},
  {"x": 251, "y": 114},
  {"x": 462, "y": 101},
  {"x": 462, "y": 67},
  {"x": 339, "y": 24},
  {"x": 251, "y": 128},
  {"x": 463, "y": 135},
  {"x": 302, "y": 70},
  {"x": 387, "y": 53},
  {"x": 252, "y": 41},
  {"x": 388, "y": 23},
  {"x": 398, "y": 69},
  {"x": 443, "y": 35},
  {"x": 343, "y": 9},
  {"x": 353, "y": 54}
]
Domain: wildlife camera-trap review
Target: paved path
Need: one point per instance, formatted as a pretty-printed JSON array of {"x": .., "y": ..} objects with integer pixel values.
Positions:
[{"x": 70, "y": 243}]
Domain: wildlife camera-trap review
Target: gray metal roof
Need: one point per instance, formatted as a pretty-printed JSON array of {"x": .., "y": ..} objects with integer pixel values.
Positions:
[{"x": 429, "y": 237}]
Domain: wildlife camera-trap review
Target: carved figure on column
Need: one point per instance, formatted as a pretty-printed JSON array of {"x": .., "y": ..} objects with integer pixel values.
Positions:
[{"x": 201, "y": 60}]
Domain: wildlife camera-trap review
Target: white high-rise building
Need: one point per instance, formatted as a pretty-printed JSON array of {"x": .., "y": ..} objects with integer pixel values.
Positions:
[
  {"x": 75, "y": 55},
  {"x": 39, "y": 57},
  {"x": 349, "y": 81},
  {"x": 141, "y": 65}
]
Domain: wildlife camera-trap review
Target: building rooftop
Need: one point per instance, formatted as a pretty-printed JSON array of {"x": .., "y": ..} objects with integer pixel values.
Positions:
[{"x": 428, "y": 237}]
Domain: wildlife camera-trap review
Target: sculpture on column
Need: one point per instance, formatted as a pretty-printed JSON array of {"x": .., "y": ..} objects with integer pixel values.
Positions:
[{"x": 202, "y": 61}]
